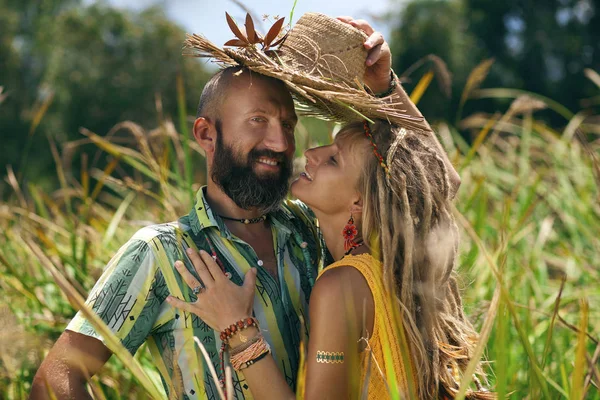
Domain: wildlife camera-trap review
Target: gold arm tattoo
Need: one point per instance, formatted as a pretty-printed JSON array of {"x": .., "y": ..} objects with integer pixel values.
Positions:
[{"x": 327, "y": 357}]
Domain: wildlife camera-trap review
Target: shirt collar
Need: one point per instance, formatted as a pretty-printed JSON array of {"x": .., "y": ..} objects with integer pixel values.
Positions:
[{"x": 202, "y": 216}]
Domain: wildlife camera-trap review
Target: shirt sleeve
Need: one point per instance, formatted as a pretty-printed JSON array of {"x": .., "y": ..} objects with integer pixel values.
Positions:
[{"x": 124, "y": 297}]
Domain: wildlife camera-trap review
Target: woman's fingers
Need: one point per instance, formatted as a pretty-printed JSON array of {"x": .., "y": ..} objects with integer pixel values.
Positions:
[
  {"x": 345, "y": 18},
  {"x": 187, "y": 276},
  {"x": 362, "y": 25},
  {"x": 374, "y": 55},
  {"x": 358, "y": 24},
  {"x": 182, "y": 305},
  {"x": 250, "y": 281},
  {"x": 200, "y": 267},
  {"x": 376, "y": 39},
  {"x": 212, "y": 266}
]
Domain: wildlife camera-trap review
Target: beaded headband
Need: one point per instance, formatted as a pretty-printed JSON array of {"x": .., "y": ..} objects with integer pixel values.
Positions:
[
  {"x": 375, "y": 149},
  {"x": 382, "y": 162}
]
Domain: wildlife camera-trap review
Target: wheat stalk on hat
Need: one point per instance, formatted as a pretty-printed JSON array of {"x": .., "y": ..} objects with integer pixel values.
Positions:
[{"x": 320, "y": 59}]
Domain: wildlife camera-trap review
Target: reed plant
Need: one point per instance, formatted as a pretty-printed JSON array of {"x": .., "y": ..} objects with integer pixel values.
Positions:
[{"x": 528, "y": 208}]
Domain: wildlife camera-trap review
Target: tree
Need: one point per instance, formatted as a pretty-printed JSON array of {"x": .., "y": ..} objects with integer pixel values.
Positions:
[
  {"x": 95, "y": 65},
  {"x": 541, "y": 46},
  {"x": 433, "y": 27}
]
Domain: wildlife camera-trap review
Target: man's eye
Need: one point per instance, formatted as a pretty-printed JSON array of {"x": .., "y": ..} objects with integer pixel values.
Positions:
[
  {"x": 332, "y": 159},
  {"x": 258, "y": 119}
]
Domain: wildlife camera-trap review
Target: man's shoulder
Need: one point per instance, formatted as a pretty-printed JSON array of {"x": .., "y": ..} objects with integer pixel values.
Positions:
[
  {"x": 148, "y": 243},
  {"x": 167, "y": 230},
  {"x": 159, "y": 238}
]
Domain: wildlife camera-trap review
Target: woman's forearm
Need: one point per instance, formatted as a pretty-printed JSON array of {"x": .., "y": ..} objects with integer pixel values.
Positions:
[
  {"x": 266, "y": 382},
  {"x": 263, "y": 377}
]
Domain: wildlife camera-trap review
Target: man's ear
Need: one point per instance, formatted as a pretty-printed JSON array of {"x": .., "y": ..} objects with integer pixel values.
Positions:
[{"x": 205, "y": 134}]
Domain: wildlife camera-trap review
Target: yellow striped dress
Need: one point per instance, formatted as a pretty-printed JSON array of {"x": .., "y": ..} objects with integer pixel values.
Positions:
[{"x": 382, "y": 363}]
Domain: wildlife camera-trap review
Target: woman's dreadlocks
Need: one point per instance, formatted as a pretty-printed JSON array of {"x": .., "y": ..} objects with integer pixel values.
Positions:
[{"x": 409, "y": 225}]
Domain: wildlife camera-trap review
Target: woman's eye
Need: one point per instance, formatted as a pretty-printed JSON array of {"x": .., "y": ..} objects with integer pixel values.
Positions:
[
  {"x": 257, "y": 119},
  {"x": 332, "y": 160}
]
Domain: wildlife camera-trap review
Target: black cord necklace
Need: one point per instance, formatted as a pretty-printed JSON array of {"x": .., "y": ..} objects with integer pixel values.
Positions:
[{"x": 246, "y": 220}]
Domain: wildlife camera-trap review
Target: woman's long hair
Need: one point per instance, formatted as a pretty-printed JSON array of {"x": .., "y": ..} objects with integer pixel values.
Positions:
[{"x": 408, "y": 223}]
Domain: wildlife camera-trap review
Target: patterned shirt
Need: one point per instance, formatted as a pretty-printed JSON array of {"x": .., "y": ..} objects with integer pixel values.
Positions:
[{"x": 130, "y": 294}]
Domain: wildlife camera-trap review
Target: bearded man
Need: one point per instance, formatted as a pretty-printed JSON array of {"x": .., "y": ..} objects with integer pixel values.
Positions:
[{"x": 245, "y": 124}]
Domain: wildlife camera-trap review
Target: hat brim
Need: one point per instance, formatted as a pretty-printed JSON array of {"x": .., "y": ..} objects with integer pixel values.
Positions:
[{"x": 314, "y": 95}]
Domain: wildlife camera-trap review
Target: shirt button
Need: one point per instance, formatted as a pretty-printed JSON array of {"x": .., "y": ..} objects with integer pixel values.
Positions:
[{"x": 260, "y": 263}]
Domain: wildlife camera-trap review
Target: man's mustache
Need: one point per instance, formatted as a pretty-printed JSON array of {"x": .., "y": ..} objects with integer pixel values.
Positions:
[{"x": 280, "y": 157}]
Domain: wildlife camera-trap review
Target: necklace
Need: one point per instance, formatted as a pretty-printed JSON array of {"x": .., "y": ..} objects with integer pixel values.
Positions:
[
  {"x": 354, "y": 246},
  {"x": 246, "y": 220}
]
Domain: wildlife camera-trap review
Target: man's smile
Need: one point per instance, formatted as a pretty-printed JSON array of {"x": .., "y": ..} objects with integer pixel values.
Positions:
[{"x": 268, "y": 161}]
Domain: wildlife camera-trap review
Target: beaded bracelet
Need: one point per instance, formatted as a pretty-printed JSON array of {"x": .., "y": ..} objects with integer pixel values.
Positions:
[
  {"x": 226, "y": 334},
  {"x": 242, "y": 324},
  {"x": 392, "y": 88}
]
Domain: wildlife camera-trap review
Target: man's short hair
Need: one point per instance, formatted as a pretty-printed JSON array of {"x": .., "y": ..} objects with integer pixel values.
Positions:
[{"x": 214, "y": 92}]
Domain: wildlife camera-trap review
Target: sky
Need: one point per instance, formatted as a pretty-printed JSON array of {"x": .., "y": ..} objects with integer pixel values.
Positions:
[{"x": 208, "y": 17}]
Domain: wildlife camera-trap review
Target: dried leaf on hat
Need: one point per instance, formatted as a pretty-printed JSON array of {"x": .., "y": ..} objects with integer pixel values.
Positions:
[
  {"x": 252, "y": 37},
  {"x": 234, "y": 28},
  {"x": 250, "y": 31},
  {"x": 273, "y": 33}
]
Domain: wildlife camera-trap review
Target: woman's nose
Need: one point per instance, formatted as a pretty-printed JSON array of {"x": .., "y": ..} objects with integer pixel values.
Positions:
[
  {"x": 309, "y": 154},
  {"x": 316, "y": 155}
]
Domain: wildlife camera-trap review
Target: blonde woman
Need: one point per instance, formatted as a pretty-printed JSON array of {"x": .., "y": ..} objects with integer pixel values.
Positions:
[{"x": 382, "y": 197}]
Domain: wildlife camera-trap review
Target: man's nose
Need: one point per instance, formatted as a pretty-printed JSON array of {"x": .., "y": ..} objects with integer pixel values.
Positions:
[{"x": 276, "y": 139}]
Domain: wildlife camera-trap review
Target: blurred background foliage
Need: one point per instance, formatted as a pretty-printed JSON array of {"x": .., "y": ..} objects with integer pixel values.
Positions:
[
  {"x": 84, "y": 66},
  {"x": 90, "y": 65},
  {"x": 541, "y": 46},
  {"x": 512, "y": 89}
]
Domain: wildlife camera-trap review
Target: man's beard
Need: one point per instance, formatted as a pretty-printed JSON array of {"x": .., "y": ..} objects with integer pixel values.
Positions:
[{"x": 236, "y": 176}]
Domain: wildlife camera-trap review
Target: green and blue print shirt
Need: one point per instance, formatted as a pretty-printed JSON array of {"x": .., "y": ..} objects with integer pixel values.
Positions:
[{"x": 130, "y": 294}]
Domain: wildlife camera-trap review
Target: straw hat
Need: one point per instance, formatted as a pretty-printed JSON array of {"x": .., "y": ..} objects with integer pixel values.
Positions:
[{"x": 320, "y": 59}]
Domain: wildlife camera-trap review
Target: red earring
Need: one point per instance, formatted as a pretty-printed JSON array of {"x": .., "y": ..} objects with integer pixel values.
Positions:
[{"x": 350, "y": 234}]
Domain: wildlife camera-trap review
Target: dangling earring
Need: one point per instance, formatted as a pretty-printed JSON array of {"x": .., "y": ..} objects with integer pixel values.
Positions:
[{"x": 350, "y": 234}]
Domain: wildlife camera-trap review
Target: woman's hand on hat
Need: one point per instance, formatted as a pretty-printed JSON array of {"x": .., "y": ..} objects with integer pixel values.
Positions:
[
  {"x": 220, "y": 301},
  {"x": 379, "y": 57}
]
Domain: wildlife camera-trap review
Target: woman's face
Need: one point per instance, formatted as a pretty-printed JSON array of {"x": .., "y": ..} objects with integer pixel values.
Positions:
[{"x": 329, "y": 183}]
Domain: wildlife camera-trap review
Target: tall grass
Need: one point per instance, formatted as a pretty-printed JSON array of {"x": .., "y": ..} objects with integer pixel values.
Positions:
[{"x": 528, "y": 208}]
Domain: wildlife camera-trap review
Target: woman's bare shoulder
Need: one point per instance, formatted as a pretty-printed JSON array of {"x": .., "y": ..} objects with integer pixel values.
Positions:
[{"x": 341, "y": 293}]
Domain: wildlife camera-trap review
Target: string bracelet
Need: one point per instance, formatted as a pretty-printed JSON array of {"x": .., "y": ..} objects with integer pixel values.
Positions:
[
  {"x": 226, "y": 334},
  {"x": 251, "y": 355},
  {"x": 238, "y": 349},
  {"x": 249, "y": 363}
]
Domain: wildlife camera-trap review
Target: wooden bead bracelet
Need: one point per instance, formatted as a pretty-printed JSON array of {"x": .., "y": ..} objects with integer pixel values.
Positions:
[
  {"x": 227, "y": 334},
  {"x": 242, "y": 324}
]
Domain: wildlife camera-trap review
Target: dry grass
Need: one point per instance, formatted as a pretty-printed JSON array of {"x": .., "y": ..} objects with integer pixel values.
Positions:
[{"x": 528, "y": 207}]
